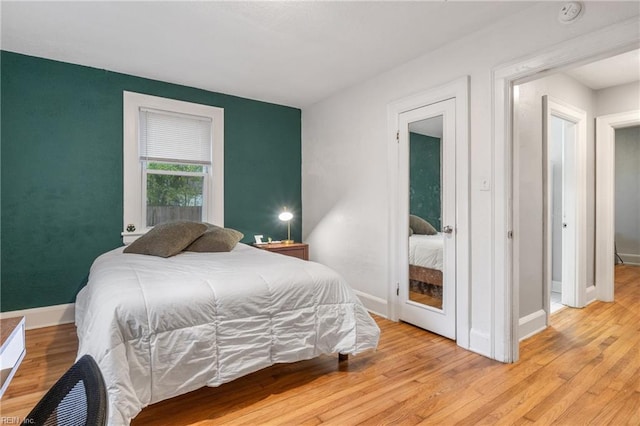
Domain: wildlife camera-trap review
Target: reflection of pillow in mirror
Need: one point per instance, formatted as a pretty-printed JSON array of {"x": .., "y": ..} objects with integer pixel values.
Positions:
[
  {"x": 167, "y": 239},
  {"x": 421, "y": 226},
  {"x": 216, "y": 239}
]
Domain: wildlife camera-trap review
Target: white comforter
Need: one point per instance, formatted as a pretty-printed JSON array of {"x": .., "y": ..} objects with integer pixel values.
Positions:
[
  {"x": 163, "y": 327},
  {"x": 426, "y": 250}
]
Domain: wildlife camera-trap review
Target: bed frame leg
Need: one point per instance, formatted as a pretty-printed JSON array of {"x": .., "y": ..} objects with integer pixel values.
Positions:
[{"x": 343, "y": 357}]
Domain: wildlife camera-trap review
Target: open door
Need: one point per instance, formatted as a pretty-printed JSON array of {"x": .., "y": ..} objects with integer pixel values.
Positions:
[
  {"x": 427, "y": 287},
  {"x": 565, "y": 244}
]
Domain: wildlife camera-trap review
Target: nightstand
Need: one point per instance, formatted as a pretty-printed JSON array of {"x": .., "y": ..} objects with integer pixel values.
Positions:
[{"x": 299, "y": 250}]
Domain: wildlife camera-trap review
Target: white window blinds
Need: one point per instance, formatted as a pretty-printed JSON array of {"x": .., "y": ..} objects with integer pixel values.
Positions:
[{"x": 175, "y": 138}]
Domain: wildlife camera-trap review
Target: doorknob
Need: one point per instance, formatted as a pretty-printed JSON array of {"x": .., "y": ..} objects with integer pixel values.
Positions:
[{"x": 447, "y": 229}]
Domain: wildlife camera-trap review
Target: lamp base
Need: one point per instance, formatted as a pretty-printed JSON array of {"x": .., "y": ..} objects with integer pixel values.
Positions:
[{"x": 287, "y": 241}]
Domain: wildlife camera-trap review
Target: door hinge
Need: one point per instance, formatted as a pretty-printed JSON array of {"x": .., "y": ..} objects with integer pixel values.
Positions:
[
  {"x": 397, "y": 289},
  {"x": 398, "y": 136},
  {"x": 510, "y": 234}
]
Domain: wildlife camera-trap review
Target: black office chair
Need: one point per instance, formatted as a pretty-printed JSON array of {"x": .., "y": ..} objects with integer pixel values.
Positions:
[{"x": 79, "y": 398}]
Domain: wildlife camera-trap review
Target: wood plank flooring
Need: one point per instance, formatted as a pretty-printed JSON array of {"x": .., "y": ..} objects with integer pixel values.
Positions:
[{"x": 584, "y": 369}]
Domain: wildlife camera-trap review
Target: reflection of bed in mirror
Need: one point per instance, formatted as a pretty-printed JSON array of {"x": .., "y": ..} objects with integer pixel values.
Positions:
[
  {"x": 425, "y": 212},
  {"x": 425, "y": 269}
]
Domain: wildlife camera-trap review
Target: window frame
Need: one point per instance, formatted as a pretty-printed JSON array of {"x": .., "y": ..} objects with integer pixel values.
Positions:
[{"x": 134, "y": 174}]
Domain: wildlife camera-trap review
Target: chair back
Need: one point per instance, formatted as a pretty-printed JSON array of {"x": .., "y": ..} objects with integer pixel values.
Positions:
[{"x": 78, "y": 398}]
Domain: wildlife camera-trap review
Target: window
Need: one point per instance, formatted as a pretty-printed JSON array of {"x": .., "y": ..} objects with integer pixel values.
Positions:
[{"x": 173, "y": 162}]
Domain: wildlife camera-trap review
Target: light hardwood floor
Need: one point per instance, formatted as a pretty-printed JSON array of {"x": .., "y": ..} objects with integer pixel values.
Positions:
[{"x": 584, "y": 369}]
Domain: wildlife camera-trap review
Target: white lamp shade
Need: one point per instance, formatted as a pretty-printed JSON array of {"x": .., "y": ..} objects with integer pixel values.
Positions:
[{"x": 285, "y": 216}]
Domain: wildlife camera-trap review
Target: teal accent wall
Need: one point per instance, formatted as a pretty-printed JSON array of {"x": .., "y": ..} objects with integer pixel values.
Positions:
[
  {"x": 424, "y": 178},
  {"x": 61, "y": 171}
]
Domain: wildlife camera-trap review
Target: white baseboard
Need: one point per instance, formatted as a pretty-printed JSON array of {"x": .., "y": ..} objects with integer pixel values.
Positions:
[
  {"x": 630, "y": 259},
  {"x": 556, "y": 286},
  {"x": 45, "y": 316},
  {"x": 373, "y": 304},
  {"x": 532, "y": 324}
]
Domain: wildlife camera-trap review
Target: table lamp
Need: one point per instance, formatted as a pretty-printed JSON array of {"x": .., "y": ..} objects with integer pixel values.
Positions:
[{"x": 286, "y": 216}]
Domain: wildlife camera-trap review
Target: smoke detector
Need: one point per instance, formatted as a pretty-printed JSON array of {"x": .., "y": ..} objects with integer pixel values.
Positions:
[{"x": 570, "y": 12}]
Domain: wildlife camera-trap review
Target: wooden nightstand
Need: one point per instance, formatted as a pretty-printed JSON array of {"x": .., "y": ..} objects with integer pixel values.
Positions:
[{"x": 299, "y": 250}]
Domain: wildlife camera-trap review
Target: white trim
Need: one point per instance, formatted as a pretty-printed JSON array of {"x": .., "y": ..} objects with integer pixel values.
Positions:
[
  {"x": 605, "y": 198},
  {"x": 46, "y": 316},
  {"x": 374, "y": 304},
  {"x": 630, "y": 259},
  {"x": 616, "y": 38},
  {"x": 532, "y": 324},
  {"x": 133, "y": 176},
  {"x": 458, "y": 89}
]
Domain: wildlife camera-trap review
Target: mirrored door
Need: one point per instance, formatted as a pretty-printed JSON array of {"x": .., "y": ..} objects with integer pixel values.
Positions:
[{"x": 427, "y": 139}]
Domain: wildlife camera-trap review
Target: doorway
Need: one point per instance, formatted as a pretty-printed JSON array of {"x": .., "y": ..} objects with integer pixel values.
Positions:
[
  {"x": 564, "y": 145},
  {"x": 593, "y": 46},
  {"x": 445, "y": 108},
  {"x": 606, "y": 127}
]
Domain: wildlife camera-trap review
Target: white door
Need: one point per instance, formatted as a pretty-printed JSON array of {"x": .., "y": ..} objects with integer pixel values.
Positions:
[
  {"x": 566, "y": 132},
  {"x": 427, "y": 288}
]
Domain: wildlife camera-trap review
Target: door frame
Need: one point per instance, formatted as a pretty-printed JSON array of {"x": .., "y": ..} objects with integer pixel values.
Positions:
[
  {"x": 608, "y": 41},
  {"x": 606, "y": 126},
  {"x": 573, "y": 294},
  {"x": 458, "y": 89}
]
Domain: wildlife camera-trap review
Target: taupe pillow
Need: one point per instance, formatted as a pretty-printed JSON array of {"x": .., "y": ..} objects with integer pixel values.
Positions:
[
  {"x": 167, "y": 239},
  {"x": 216, "y": 239},
  {"x": 421, "y": 226}
]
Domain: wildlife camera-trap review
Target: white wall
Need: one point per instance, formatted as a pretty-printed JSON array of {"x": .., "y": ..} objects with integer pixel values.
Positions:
[
  {"x": 344, "y": 153},
  {"x": 627, "y": 167},
  {"x": 613, "y": 100},
  {"x": 528, "y": 132}
]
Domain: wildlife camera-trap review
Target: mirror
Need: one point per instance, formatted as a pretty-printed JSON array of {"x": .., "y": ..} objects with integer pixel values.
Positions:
[{"x": 426, "y": 242}]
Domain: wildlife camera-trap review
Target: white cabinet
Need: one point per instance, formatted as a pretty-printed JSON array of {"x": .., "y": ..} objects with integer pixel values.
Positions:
[{"x": 12, "y": 350}]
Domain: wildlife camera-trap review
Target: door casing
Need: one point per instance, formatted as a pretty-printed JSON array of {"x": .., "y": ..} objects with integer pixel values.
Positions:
[
  {"x": 613, "y": 39},
  {"x": 458, "y": 89},
  {"x": 606, "y": 126}
]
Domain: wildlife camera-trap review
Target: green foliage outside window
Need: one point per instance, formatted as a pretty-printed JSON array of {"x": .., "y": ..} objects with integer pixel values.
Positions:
[{"x": 174, "y": 190}]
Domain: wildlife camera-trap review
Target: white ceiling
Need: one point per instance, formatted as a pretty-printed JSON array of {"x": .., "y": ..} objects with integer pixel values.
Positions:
[
  {"x": 293, "y": 53},
  {"x": 613, "y": 71}
]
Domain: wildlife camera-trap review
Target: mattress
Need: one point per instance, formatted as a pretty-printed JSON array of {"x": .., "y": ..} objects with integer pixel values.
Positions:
[
  {"x": 163, "y": 327},
  {"x": 426, "y": 250}
]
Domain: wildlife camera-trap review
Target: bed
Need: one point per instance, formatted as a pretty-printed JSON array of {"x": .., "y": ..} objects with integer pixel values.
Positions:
[
  {"x": 425, "y": 267},
  {"x": 161, "y": 327}
]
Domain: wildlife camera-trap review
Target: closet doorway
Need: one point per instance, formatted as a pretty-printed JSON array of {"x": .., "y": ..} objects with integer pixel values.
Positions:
[{"x": 442, "y": 114}]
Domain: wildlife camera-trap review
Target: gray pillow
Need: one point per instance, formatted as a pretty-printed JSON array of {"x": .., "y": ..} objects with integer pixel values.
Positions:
[
  {"x": 167, "y": 239},
  {"x": 421, "y": 226},
  {"x": 216, "y": 239}
]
